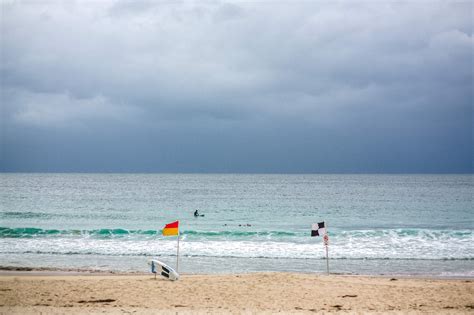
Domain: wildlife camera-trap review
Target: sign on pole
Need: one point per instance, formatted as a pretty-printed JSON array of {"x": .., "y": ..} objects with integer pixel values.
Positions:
[{"x": 320, "y": 229}]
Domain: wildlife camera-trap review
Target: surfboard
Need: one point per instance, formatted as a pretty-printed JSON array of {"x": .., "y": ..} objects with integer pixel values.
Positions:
[{"x": 163, "y": 269}]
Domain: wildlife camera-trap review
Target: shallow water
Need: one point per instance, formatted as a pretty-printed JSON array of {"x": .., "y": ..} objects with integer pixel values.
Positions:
[{"x": 378, "y": 224}]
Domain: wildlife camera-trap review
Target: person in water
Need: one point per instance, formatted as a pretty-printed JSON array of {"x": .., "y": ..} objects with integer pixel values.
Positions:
[{"x": 196, "y": 213}]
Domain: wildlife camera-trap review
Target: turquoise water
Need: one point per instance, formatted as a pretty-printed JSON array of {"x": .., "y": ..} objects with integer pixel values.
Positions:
[{"x": 378, "y": 224}]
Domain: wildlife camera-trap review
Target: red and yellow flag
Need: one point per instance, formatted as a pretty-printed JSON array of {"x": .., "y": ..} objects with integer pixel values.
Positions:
[{"x": 171, "y": 229}]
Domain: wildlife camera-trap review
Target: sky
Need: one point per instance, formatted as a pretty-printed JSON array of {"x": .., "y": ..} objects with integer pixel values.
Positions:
[{"x": 237, "y": 87}]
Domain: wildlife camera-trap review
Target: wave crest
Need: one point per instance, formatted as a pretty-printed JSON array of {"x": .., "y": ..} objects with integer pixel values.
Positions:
[{"x": 28, "y": 232}]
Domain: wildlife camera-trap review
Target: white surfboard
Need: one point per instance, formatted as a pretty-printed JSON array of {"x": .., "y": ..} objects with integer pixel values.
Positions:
[{"x": 163, "y": 269}]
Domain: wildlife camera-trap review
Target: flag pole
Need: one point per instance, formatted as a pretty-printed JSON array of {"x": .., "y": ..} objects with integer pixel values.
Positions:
[
  {"x": 326, "y": 241},
  {"x": 177, "y": 256},
  {"x": 327, "y": 260}
]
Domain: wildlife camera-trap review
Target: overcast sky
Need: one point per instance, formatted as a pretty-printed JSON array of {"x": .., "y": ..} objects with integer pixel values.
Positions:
[{"x": 219, "y": 86}]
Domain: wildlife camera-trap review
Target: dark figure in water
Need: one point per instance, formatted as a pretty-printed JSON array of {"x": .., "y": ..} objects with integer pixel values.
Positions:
[{"x": 196, "y": 214}]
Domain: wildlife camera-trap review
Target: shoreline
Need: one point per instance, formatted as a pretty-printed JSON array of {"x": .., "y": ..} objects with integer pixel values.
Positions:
[
  {"x": 231, "y": 293},
  {"x": 51, "y": 271}
]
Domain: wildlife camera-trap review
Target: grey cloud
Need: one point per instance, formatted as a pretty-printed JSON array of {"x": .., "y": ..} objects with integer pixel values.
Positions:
[
  {"x": 129, "y": 8},
  {"x": 156, "y": 67},
  {"x": 62, "y": 110}
]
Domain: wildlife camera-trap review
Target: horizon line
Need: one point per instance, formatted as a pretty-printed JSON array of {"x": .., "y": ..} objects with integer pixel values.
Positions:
[{"x": 238, "y": 173}]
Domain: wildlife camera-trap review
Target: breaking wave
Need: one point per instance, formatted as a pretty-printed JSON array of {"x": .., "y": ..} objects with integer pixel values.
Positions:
[{"x": 28, "y": 232}]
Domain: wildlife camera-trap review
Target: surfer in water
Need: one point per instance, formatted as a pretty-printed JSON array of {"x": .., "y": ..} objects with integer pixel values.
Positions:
[{"x": 197, "y": 214}]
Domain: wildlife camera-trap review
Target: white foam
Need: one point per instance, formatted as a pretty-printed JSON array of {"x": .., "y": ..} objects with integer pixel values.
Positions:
[{"x": 390, "y": 246}]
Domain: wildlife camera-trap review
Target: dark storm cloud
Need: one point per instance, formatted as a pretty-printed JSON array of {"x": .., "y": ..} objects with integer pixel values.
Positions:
[{"x": 230, "y": 86}]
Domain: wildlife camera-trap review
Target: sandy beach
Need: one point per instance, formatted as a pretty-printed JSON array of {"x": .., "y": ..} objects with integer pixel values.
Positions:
[{"x": 246, "y": 293}]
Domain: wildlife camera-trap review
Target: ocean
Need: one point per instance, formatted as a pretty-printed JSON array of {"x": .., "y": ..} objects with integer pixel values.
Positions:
[{"x": 420, "y": 225}]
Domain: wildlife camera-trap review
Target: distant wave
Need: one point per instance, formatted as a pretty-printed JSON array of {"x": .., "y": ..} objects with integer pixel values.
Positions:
[
  {"x": 426, "y": 233},
  {"x": 28, "y": 232},
  {"x": 24, "y": 215},
  {"x": 110, "y": 233},
  {"x": 35, "y": 232}
]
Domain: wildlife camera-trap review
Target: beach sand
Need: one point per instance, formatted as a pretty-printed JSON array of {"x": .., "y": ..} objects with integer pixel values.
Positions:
[{"x": 220, "y": 294}]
